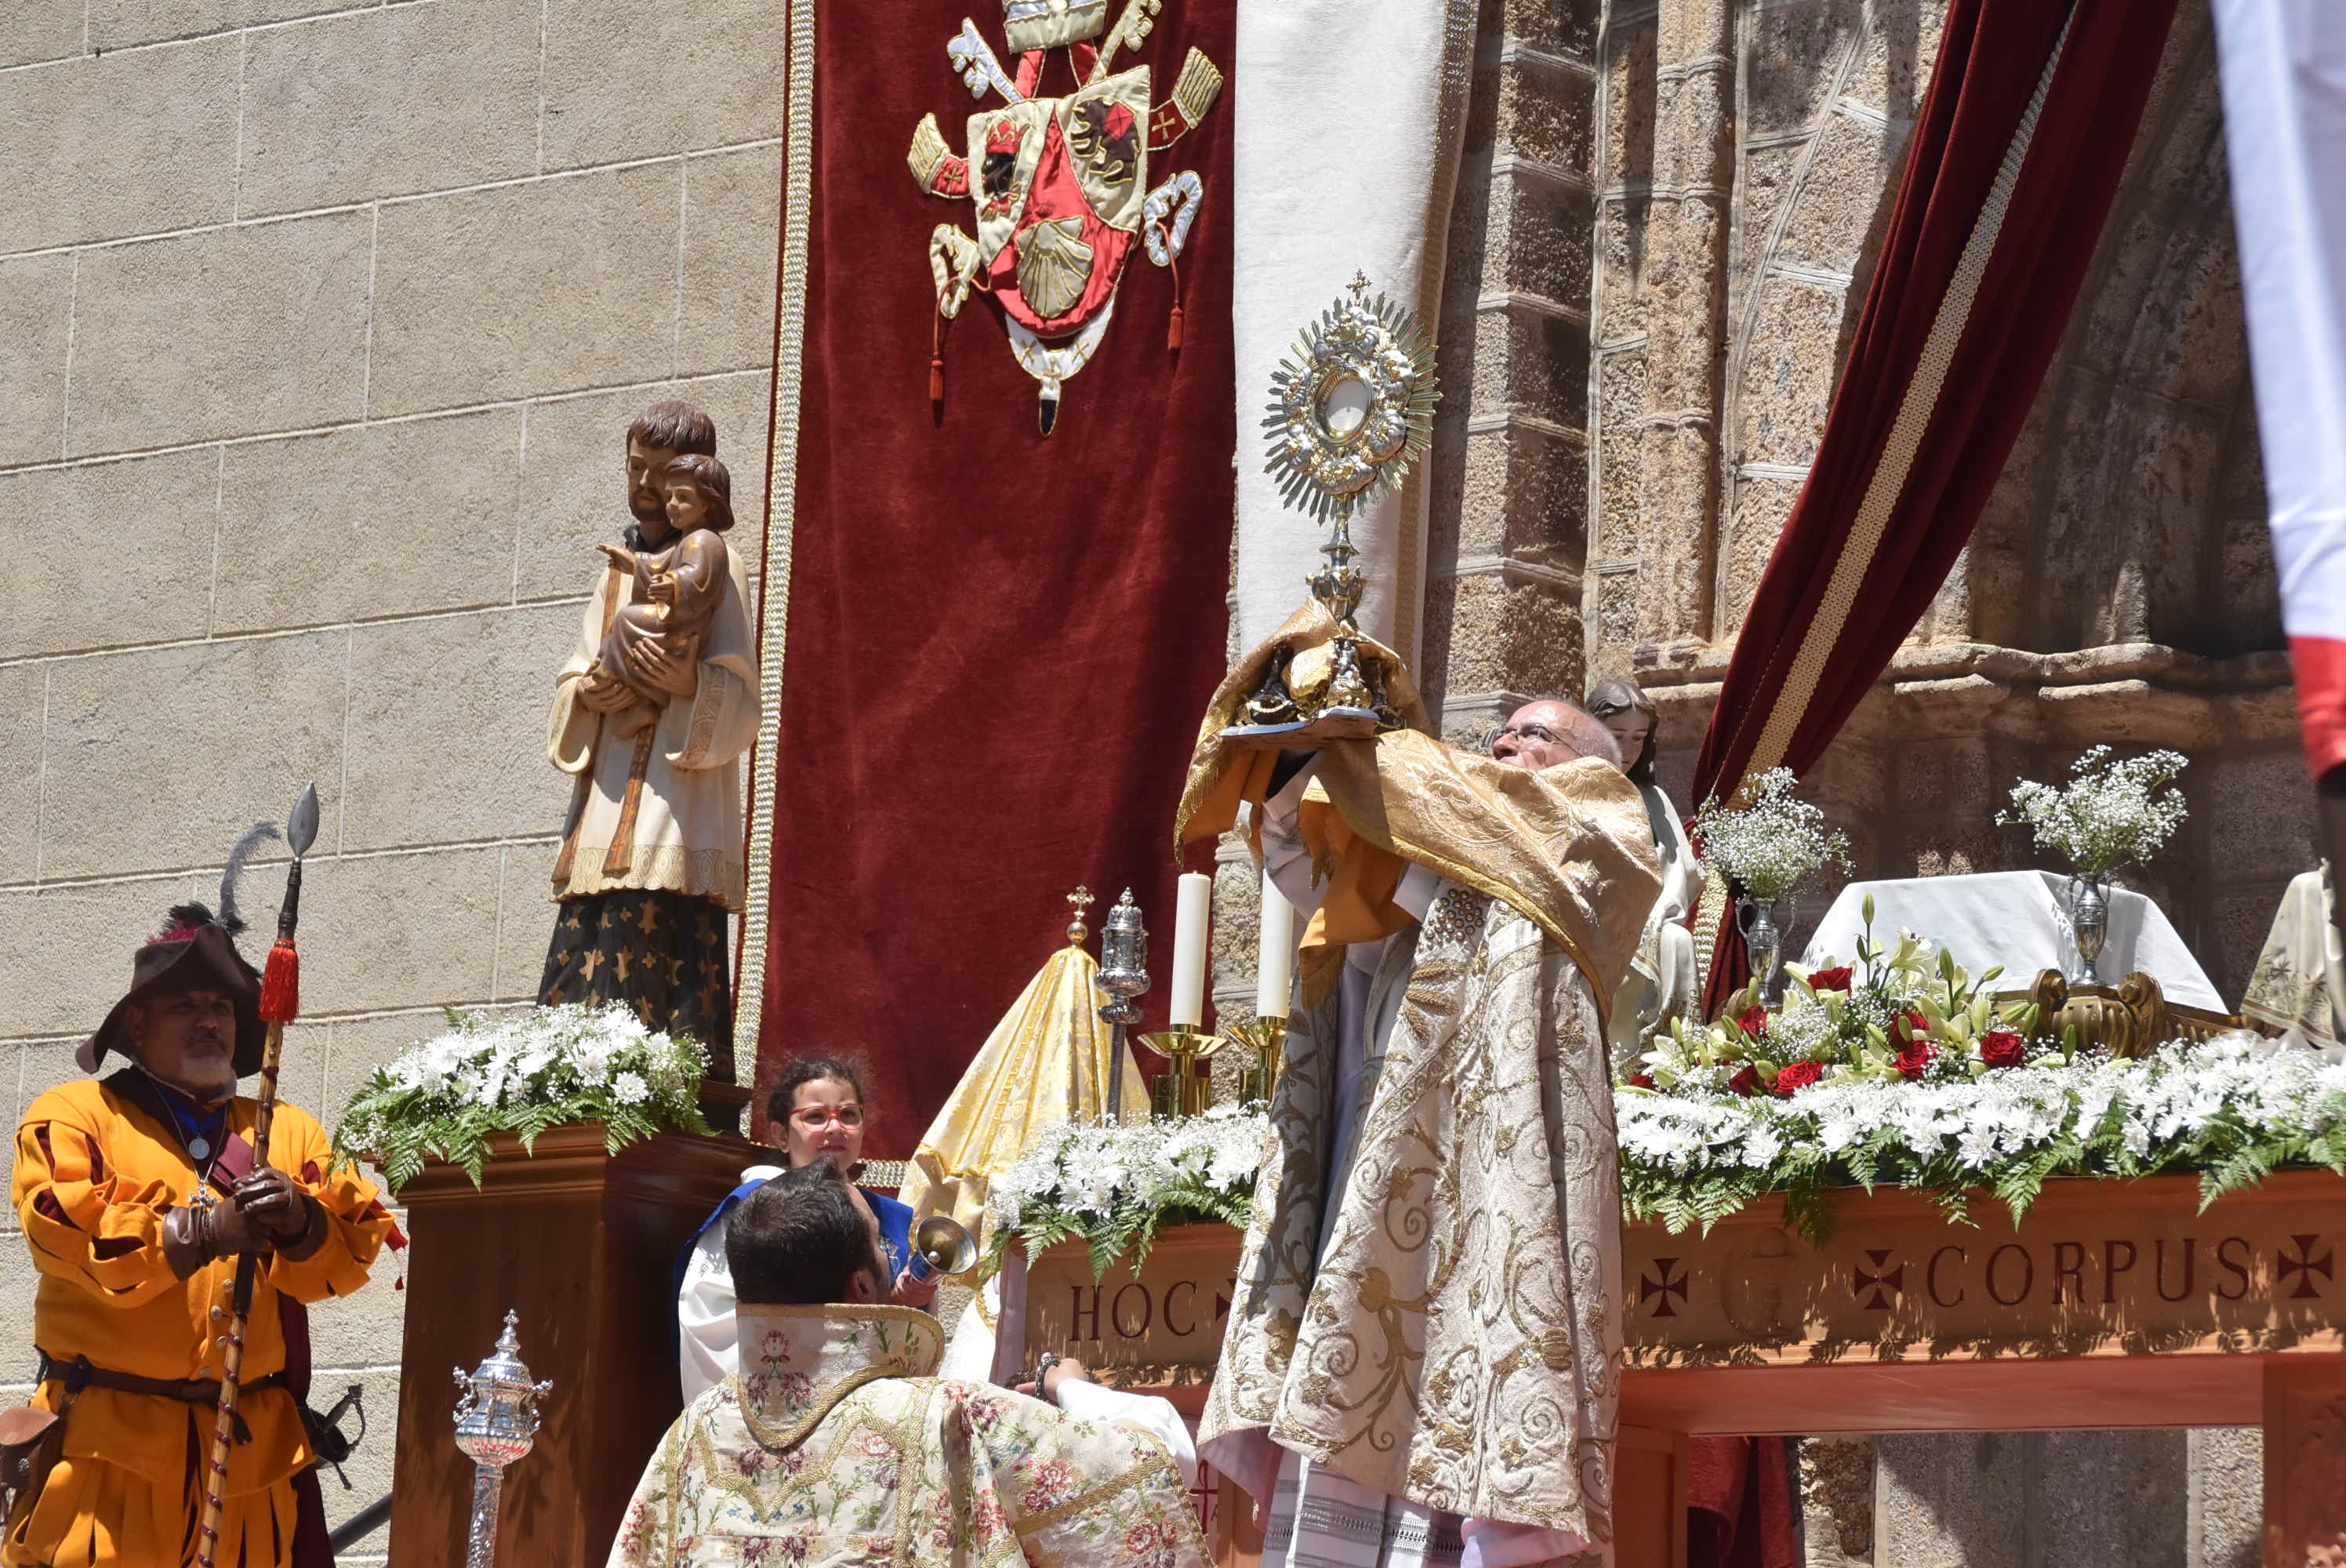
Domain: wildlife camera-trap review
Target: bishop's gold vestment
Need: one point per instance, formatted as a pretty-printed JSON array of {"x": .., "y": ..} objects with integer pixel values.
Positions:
[
  {"x": 1431, "y": 1310},
  {"x": 835, "y": 1446}
]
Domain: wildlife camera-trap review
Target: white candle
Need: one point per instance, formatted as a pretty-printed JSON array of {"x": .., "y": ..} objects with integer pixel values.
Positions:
[
  {"x": 1275, "y": 961},
  {"x": 1190, "y": 913}
]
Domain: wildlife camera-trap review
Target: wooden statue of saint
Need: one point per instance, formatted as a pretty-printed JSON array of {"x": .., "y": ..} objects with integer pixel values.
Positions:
[{"x": 652, "y": 713}]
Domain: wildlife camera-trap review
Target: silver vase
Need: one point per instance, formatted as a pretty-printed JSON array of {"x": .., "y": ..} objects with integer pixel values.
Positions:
[
  {"x": 2089, "y": 923},
  {"x": 1761, "y": 924}
]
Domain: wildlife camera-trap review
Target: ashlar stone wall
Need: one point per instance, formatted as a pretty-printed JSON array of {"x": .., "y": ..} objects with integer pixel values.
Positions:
[{"x": 319, "y": 326}]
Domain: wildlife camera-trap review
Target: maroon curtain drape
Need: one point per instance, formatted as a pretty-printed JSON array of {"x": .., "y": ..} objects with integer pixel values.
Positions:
[
  {"x": 1783, "y": 699},
  {"x": 998, "y": 642}
]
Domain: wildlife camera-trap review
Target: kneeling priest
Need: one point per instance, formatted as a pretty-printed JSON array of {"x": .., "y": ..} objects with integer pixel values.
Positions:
[
  {"x": 1422, "y": 1360},
  {"x": 836, "y": 1442}
]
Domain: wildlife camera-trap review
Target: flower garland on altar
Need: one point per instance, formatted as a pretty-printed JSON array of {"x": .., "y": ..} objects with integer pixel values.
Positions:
[
  {"x": 1906, "y": 1012},
  {"x": 2234, "y": 1109},
  {"x": 1116, "y": 1187},
  {"x": 522, "y": 1072}
]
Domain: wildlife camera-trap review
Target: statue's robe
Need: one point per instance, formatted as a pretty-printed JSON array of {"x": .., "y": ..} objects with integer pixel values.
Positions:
[
  {"x": 835, "y": 1445},
  {"x": 96, "y": 1171},
  {"x": 1664, "y": 981},
  {"x": 652, "y": 857},
  {"x": 1427, "y": 1300}
]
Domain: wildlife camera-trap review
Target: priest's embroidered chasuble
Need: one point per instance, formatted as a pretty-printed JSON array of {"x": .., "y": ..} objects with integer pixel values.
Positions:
[
  {"x": 1426, "y": 1301},
  {"x": 835, "y": 1446}
]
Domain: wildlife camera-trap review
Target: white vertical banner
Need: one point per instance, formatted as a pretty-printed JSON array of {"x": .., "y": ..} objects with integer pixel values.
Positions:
[
  {"x": 1347, "y": 121},
  {"x": 2283, "y": 75}
]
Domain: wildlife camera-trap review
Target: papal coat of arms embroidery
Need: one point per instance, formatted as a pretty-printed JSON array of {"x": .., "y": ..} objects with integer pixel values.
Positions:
[{"x": 1061, "y": 185}]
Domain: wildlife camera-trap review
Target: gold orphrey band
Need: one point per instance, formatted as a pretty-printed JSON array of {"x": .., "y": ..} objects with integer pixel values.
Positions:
[{"x": 781, "y": 500}]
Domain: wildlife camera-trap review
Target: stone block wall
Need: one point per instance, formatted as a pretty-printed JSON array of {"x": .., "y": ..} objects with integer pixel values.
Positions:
[{"x": 319, "y": 327}]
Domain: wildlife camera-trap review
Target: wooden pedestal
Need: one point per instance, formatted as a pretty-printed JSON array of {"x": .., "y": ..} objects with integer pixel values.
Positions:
[{"x": 583, "y": 1245}]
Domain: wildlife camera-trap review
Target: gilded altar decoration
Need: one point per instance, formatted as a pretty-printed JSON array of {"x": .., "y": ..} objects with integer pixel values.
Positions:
[
  {"x": 1060, "y": 184},
  {"x": 1045, "y": 1066}
]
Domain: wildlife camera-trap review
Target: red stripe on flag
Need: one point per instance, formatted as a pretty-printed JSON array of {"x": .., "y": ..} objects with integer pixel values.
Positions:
[{"x": 2321, "y": 666}]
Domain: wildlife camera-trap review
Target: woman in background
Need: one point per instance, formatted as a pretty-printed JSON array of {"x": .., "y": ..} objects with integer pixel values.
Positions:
[{"x": 815, "y": 1112}]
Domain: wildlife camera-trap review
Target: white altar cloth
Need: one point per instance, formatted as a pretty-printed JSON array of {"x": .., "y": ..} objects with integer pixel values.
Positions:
[{"x": 2019, "y": 920}]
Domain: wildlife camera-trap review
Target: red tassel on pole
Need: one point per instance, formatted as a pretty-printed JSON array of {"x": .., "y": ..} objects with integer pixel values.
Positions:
[{"x": 280, "y": 984}]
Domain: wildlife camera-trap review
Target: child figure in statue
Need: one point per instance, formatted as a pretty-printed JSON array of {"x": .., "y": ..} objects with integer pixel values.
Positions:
[{"x": 677, "y": 588}]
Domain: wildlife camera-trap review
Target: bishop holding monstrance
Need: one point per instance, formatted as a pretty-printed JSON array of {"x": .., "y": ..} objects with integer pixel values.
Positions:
[{"x": 1421, "y": 1362}]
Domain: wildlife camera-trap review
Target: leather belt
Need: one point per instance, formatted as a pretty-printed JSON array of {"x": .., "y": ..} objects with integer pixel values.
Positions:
[{"x": 78, "y": 1374}]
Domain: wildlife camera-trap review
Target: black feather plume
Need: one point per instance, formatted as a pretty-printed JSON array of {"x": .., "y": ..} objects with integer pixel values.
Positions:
[{"x": 254, "y": 837}]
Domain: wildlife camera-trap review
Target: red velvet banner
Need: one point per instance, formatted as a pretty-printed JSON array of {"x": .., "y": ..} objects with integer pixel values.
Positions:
[
  {"x": 998, "y": 643},
  {"x": 1847, "y": 580}
]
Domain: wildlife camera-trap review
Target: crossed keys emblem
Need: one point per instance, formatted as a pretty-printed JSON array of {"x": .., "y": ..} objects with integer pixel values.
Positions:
[
  {"x": 1664, "y": 1286},
  {"x": 2305, "y": 1265},
  {"x": 1884, "y": 1283}
]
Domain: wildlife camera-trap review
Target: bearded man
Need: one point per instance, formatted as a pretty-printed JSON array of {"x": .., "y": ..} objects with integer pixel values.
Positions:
[
  {"x": 1422, "y": 1360},
  {"x": 137, "y": 1193},
  {"x": 651, "y": 856},
  {"x": 836, "y": 1442}
]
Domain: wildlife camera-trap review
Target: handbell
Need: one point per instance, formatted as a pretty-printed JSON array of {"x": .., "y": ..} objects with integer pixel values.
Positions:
[{"x": 941, "y": 1246}]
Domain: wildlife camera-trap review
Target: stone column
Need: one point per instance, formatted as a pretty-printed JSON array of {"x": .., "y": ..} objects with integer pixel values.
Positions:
[{"x": 1509, "y": 469}]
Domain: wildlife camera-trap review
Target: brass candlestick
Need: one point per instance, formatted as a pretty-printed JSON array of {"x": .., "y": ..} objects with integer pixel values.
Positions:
[
  {"x": 1267, "y": 1038},
  {"x": 1184, "y": 1045}
]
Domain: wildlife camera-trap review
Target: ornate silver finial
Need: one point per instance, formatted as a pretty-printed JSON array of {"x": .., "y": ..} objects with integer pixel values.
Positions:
[
  {"x": 1123, "y": 974},
  {"x": 497, "y": 1424},
  {"x": 1080, "y": 901}
]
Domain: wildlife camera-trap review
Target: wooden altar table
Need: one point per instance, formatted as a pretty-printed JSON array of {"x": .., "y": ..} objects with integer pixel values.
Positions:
[{"x": 2113, "y": 1303}]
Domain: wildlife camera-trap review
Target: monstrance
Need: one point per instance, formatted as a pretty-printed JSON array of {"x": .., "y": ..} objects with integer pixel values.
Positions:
[{"x": 1350, "y": 410}]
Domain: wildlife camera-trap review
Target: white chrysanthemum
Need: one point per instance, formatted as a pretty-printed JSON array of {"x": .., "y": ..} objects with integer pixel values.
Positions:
[{"x": 630, "y": 1089}]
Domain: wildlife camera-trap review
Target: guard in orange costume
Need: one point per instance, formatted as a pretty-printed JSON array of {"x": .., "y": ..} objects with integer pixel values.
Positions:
[{"x": 137, "y": 1192}]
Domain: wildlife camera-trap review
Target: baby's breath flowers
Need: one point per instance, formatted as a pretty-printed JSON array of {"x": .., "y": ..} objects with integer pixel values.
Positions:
[
  {"x": 1773, "y": 842},
  {"x": 2109, "y": 814}
]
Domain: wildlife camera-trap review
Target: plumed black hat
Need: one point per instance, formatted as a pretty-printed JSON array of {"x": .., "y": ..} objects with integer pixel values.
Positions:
[{"x": 195, "y": 950}]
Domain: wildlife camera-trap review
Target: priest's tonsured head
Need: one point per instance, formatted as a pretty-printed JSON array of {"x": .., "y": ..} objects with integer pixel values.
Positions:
[{"x": 804, "y": 1240}]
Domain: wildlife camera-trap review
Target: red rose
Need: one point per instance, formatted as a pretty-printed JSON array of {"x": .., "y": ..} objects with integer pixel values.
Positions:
[
  {"x": 1914, "y": 1058},
  {"x": 1753, "y": 1020},
  {"x": 2002, "y": 1048},
  {"x": 1798, "y": 1075},
  {"x": 1746, "y": 1081},
  {"x": 1916, "y": 1027},
  {"x": 1829, "y": 979},
  {"x": 1642, "y": 1081}
]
